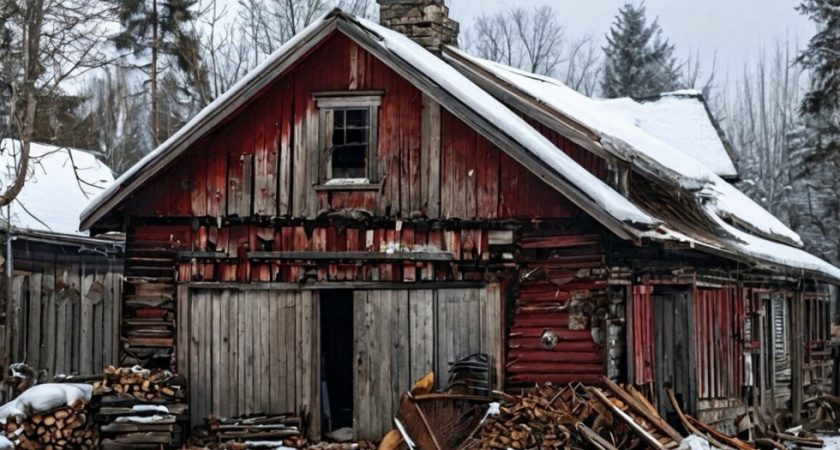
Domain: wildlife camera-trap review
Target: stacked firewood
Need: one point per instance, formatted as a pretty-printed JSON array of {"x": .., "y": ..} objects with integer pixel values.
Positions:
[
  {"x": 282, "y": 430},
  {"x": 544, "y": 417},
  {"x": 63, "y": 428},
  {"x": 141, "y": 408}
]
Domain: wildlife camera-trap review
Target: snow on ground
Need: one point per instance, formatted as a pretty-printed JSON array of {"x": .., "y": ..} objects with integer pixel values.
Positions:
[
  {"x": 52, "y": 197},
  {"x": 45, "y": 397}
]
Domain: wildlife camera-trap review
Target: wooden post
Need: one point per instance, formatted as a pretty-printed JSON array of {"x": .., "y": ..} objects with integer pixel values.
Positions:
[{"x": 797, "y": 356}]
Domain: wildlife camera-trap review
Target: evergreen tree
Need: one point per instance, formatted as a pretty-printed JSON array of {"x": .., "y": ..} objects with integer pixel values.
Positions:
[
  {"x": 822, "y": 56},
  {"x": 158, "y": 26},
  {"x": 638, "y": 62}
]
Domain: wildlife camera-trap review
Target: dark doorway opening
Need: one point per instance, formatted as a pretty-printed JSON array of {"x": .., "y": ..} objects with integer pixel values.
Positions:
[{"x": 337, "y": 359}]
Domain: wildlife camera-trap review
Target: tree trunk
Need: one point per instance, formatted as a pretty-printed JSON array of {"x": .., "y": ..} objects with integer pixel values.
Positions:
[{"x": 155, "y": 124}]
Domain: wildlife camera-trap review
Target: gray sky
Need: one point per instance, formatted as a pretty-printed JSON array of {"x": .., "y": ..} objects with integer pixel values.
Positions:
[{"x": 734, "y": 28}]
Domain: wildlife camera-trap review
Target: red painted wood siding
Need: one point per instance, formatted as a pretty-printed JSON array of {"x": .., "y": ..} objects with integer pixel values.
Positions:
[
  {"x": 262, "y": 161},
  {"x": 642, "y": 329},
  {"x": 719, "y": 343}
]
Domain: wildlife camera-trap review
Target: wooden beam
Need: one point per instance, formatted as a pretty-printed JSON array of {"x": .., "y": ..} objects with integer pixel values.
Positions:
[{"x": 351, "y": 256}]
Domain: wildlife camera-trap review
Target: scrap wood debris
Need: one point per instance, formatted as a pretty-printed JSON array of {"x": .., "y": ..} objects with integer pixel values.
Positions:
[{"x": 607, "y": 417}]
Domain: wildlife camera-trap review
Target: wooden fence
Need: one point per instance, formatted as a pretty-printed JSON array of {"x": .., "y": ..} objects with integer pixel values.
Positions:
[{"x": 64, "y": 312}]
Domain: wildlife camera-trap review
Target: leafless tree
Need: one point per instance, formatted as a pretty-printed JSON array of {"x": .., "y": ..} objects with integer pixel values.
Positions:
[
  {"x": 692, "y": 76},
  {"x": 44, "y": 44},
  {"x": 534, "y": 40},
  {"x": 758, "y": 117}
]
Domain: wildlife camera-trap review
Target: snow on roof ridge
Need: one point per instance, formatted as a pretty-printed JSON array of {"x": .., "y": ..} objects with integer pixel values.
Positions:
[
  {"x": 627, "y": 141},
  {"x": 484, "y": 104}
]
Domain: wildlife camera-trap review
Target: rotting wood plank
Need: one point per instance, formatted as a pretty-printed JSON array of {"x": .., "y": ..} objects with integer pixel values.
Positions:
[
  {"x": 33, "y": 329},
  {"x": 48, "y": 324},
  {"x": 223, "y": 356},
  {"x": 216, "y": 364}
]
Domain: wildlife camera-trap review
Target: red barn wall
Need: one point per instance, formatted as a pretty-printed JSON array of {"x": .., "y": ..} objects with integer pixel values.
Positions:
[{"x": 262, "y": 161}]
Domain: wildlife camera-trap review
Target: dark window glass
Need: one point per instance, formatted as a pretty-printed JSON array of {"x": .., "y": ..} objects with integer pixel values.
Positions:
[{"x": 351, "y": 131}]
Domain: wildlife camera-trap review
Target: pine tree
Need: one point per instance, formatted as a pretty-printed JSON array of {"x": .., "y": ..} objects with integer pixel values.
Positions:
[
  {"x": 822, "y": 56},
  {"x": 159, "y": 27},
  {"x": 638, "y": 62}
]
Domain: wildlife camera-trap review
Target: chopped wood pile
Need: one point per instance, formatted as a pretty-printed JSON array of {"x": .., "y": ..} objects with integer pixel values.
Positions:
[
  {"x": 63, "y": 428},
  {"x": 281, "y": 430},
  {"x": 609, "y": 417},
  {"x": 141, "y": 408}
]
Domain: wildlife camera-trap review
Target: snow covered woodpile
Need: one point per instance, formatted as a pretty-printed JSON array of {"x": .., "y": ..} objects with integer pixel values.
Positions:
[
  {"x": 140, "y": 409},
  {"x": 256, "y": 431},
  {"x": 51, "y": 416}
]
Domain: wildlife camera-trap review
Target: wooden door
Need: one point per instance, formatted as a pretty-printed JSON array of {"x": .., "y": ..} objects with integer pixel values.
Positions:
[
  {"x": 250, "y": 351},
  {"x": 674, "y": 349},
  {"x": 399, "y": 336}
]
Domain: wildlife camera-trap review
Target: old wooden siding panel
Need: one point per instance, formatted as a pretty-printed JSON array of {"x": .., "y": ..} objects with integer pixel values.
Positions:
[
  {"x": 250, "y": 352},
  {"x": 643, "y": 332},
  {"x": 426, "y": 156}
]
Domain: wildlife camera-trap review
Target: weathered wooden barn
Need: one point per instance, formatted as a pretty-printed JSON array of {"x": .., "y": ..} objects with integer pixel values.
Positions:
[
  {"x": 61, "y": 288},
  {"x": 364, "y": 208}
]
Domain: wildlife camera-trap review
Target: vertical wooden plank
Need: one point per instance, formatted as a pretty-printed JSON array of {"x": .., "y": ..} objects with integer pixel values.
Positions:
[
  {"x": 399, "y": 353},
  {"x": 86, "y": 324},
  {"x": 215, "y": 369},
  {"x": 285, "y": 119},
  {"x": 242, "y": 332},
  {"x": 33, "y": 329},
  {"x": 195, "y": 330},
  {"x": 494, "y": 343},
  {"x": 265, "y": 326},
  {"x": 362, "y": 384},
  {"x": 99, "y": 330},
  {"x": 307, "y": 380},
  {"x": 266, "y": 162},
  {"x": 61, "y": 322},
  {"x": 223, "y": 356},
  {"x": 234, "y": 369},
  {"x": 275, "y": 353},
  {"x": 421, "y": 333},
  {"x": 289, "y": 299},
  {"x": 48, "y": 325}
]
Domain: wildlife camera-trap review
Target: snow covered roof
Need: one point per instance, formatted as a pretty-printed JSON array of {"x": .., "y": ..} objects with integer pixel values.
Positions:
[
  {"x": 59, "y": 184},
  {"x": 619, "y": 134},
  {"x": 440, "y": 81},
  {"x": 606, "y": 129},
  {"x": 682, "y": 120}
]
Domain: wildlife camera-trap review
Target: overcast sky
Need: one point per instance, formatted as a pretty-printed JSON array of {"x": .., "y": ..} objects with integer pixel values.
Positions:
[{"x": 733, "y": 28}]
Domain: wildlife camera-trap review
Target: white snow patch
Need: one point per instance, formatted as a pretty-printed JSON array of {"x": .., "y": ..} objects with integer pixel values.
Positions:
[
  {"x": 681, "y": 121},
  {"x": 45, "y": 397},
  {"x": 150, "y": 408},
  {"x": 6, "y": 444},
  {"x": 347, "y": 182},
  {"x": 694, "y": 442},
  {"x": 145, "y": 419},
  {"x": 52, "y": 197}
]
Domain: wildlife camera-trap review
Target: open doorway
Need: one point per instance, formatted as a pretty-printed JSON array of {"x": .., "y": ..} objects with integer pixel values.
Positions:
[{"x": 337, "y": 359}]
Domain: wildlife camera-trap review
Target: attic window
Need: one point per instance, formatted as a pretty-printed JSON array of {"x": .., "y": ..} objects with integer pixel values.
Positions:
[{"x": 348, "y": 131}]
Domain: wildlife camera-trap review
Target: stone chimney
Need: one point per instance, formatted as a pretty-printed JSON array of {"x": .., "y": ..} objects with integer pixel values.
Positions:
[{"x": 426, "y": 22}]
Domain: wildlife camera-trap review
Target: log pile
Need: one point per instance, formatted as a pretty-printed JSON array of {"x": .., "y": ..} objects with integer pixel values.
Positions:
[
  {"x": 282, "y": 430},
  {"x": 141, "y": 409},
  {"x": 68, "y": 427}
]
